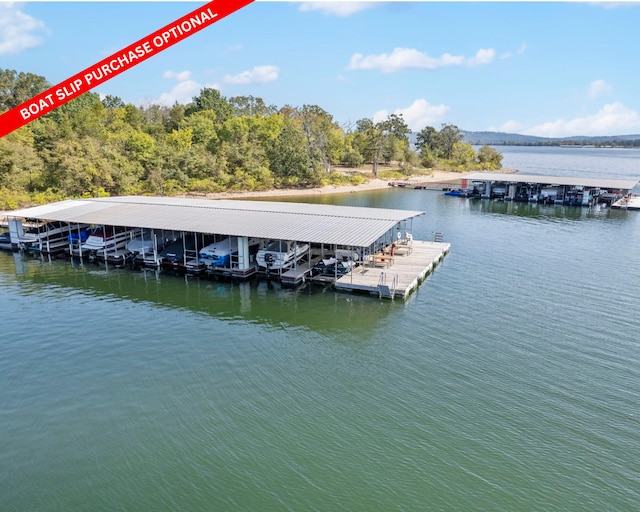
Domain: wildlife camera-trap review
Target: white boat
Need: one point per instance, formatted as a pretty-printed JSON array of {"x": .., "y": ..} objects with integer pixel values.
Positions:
[
  {"x": 218, "y": 254},
  {"x": 135, "y": 247},
  {"x": 105, "y": 240},
  {"x": 145, "y": 244},
  {"x": 281, "y": 254},
  {"x": 49, "y": 237}
]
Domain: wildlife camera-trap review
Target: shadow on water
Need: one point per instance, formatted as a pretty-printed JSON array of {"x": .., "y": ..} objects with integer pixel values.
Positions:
[{"x": 260, "y": 301}]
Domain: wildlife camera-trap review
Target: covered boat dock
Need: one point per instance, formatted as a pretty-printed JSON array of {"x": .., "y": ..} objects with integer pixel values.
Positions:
[
  {"x": 567, "y": 190},
  {"x": 361, "y": 235}
]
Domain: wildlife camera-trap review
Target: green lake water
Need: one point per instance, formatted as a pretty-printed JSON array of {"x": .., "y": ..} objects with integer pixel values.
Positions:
[{"x": 509, "y": 381}]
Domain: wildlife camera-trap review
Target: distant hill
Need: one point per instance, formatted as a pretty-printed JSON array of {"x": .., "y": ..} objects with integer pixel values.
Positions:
[{"x": 516, "y": 139}]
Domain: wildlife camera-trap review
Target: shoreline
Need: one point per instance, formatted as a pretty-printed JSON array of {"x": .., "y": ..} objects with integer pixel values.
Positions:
[{"x": 437, "y": 177}]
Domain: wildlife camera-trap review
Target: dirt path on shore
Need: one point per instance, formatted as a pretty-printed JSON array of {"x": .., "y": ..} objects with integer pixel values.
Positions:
[{"x": 372, "y": 184}]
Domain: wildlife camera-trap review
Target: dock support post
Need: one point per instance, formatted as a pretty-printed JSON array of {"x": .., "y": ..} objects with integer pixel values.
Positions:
[{"x": 243, "y": 253}]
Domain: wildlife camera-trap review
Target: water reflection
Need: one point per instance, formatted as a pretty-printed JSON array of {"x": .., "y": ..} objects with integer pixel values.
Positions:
[
  {"x": 261, "y": 301},
  {"x": 540, "y": 211}
]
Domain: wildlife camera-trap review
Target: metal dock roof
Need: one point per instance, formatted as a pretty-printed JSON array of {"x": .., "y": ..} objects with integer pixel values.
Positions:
[
  {"x": 553, "y": 180},
  {"x": 317, "y": 223}
]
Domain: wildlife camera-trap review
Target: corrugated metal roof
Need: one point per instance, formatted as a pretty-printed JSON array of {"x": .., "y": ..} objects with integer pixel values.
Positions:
[
  {"x": 328, "y": 224},
  {"x": 554, "y": 180}
]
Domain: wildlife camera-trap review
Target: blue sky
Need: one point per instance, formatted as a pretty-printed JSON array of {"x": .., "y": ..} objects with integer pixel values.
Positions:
[{"x": 549, "y": 69}]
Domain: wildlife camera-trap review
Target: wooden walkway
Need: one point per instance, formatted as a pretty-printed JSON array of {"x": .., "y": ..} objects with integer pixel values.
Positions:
[
  {"x": 627, "y": 203},
  {"x": 398, "y": 277}
]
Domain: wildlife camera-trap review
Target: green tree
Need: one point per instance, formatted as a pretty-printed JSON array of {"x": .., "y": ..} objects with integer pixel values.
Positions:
[
  {"x": 211, "y": 99},
  {"x": 250, "y": 106},
  {"x": 448, "y": 135},
  {"x": 369, "y": 141},
  {"x": 288, "y": 157},
  {"x": 489, "y": 158},
  {"x": 112, "y": 102},
  {"x": 20, "y": 164},
  {"x": 427, "y": 141},
  {"x": 463, "y": 156},
  {"x": 203, "y": 126},
  {"x": 16, "y": 88}
]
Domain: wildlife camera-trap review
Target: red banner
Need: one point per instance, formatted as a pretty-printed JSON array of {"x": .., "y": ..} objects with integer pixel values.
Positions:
[{"x": 115, "y": 64}]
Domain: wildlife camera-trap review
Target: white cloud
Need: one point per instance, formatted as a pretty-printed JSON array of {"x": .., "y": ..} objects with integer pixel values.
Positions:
[
  {"x": 519, "y": 51},
  {"x": 599, "y": 88},
  {"x": 410, "y": 58},
  {"x": 336, "y": 8},
  {"x": 180, "y": 77},
  {"x": 482, "y": 57},
  {"x": 183, "y": 92},
  {"x": 258, "y": 75},
  {"x": 509, "y": 127},
  {"x": 417, "y": 115},
  {"x": 18, "y": 31},
  {"x": 612, "y": 119}
]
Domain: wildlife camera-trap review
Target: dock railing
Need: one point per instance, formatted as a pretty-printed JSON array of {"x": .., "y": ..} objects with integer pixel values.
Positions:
[{"x": 387, "y": 290}]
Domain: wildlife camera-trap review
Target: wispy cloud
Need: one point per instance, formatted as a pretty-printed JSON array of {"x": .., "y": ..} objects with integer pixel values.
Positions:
[
  {"x": 410, "y": 58},
  {"x": 336, "y": 8},
  {"x": 417, "y": 115},
  {"x": 519, "y": 51},
  {"x": 612, "y": 119},
  {"x": 181, "y": 77},
  {"x": 599, "y": 88},
  {"x": 18, "y": 31},
  {"x": 258, "y": 75}
]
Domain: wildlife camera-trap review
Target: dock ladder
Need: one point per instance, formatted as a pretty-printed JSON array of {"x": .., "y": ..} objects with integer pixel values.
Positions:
[
  {"x": 385, "y": 290},
  {"x": 438, "y": 236}
]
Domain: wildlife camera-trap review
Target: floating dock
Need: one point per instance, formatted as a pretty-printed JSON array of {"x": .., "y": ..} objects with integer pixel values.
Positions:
[
  {"x": 397, "y": 276},
  {"x": 627, "y": 203},
  {"x": 371, "y": 249}
]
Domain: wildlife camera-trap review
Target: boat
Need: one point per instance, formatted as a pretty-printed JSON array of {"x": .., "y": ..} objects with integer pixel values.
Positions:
[
  {"x": 141, "y": 247},
  {"x": 105, "y": 240},
  {"x": 5, "y": 241},
  {"x": 281, "y": 254},
  {"x": 173, "y": 255},
  {"x": 80, "y": 235},
  {"x": 457, "y": 193},
  {"x": 47, "y": 238},
  {"x": 145, "y": 248},
  {"x": 333, "y": 266},
  {"x": 218, "y": 254}
]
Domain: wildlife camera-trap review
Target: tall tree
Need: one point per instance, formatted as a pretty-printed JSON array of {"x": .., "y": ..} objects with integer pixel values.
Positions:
[
  {"x": 369, "y": 140},
  {"x": 396, "y": 138},
  {"x": 16, "y": 88},
  {"x": 211, "y": 99},
  {"x": 447, "y": 137},
  {"x": 288, "y": 157},
  {"x": 250, "y": 106},
  {"x": 317, "y": 125},
  {"x": 427, "y": 140}
]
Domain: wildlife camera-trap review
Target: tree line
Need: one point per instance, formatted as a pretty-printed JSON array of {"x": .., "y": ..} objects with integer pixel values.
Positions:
[{"x": 94, "y": 146}]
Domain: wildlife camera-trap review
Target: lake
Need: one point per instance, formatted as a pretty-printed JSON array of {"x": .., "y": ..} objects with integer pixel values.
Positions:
[{"x": 508, "y": 381}]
